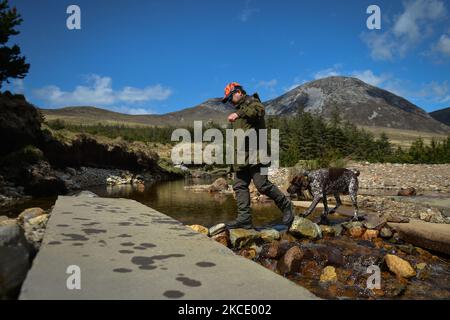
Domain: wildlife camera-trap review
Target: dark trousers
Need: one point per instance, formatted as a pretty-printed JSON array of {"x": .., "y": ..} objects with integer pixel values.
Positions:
[{"x": 241, "y": 183}]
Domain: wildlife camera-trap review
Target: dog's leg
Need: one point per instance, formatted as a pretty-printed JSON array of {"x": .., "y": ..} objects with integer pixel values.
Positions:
[
  {"x": 323, "y": 216},
  {"x": 353, "y": 191},
  {"x": 313, "y": 205},
  {"x": 338, "y": 203}
]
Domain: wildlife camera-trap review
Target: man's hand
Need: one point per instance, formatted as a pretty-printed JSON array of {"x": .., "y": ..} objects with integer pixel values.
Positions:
[{"x": 232, "y": 117}]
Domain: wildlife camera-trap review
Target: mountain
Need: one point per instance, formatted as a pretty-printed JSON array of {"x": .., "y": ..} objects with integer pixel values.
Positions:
[
  {"x": 442, "y": 115},
  {"x": 356, "y": 101},
  {"x": 210, "y": 110}
]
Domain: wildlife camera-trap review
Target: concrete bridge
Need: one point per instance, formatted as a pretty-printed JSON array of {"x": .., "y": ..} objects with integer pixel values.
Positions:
[{"x": 102, "y": 248}]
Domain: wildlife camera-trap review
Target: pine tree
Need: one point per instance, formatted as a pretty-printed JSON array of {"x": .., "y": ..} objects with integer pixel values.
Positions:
[{"x": 12, "y": 63}]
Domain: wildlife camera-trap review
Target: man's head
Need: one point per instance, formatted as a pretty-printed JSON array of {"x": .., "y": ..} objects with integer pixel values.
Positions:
[{"x": 234, "y": 92}]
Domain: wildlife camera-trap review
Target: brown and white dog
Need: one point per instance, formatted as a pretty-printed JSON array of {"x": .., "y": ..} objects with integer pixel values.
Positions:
[{"x": 323, "y": 182}]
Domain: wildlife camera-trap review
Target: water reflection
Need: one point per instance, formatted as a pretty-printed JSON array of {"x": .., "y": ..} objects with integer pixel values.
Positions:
[{"x": 187, "y": 206}]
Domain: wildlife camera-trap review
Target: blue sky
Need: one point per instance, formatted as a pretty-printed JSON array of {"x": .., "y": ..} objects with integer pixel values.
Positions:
[{"x": 139, "y": 56}]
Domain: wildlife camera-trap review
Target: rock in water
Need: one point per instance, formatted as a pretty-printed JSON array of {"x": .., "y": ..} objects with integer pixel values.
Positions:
[
  {"x": 219, "y": 185},
  {"x": 385, "y": 233},
  {"x": 328, "y": 274},
  {"x": 222, "y": 238},
  {"x": 199, "y": 229},
  {"x": 218, "y": 228},
  {"x": 249, "y": 253},
  {"x": 400, "y": 267},
  {"x": 269, "y": 235},
  {"x": 291, "y": 260},
  {"x": 370, "y": 234},
  {"x": 408, "y": 192},
  {"x": 30, "y": 213},
  {"x": 373, "y": 221},
  {"x": 303, "y": 227},
  {"x": 327, "y": 230},
  {"x": 243, "y": 237},
  {"x": 354, "y": 229},
  {"x": 276, "y": 249}
]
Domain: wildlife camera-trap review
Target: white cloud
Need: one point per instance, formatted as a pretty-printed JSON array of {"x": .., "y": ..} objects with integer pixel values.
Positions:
[
  {"x": 329, "y": 72},
  {"x": 436, "y": 91},
  {"x": 247, "y": 12},
  {"x": 270, "y": 84},
  {"x": 369, "y": 77},
  {"x": 381, "y": 46},
  {"x": 410, "y": 28},
  {"x": 443, "y": 45},
  {"x": 98, "y": 91},
  {"x": 131, "y": 110}
]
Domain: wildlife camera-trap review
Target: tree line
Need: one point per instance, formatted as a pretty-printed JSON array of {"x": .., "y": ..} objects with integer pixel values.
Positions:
[{"x": 303, "y": 137}]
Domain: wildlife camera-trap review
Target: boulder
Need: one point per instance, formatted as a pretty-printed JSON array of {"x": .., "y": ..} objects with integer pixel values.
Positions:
[
  {"x": 14, "y": 265},
  {"x": 216, "y": 229},
  {"x": 432, "y": 236},
  {"x": 5, "y": 222},
  {"x": 199, "y": 229},
  {"x": 269, "y": 235},
  {"x": 219, "y": 185},
  {"x": 408, "y": 192},
  {"x": 10, "y": 235},
  {"x": 400, "y": 267},
  {"x": 324, "y": 254},
  {"x": 354, "y": 229},
  {"x": 385, "y": 233},
  {"x": 291, "y": 261},
  {"x": 370, "y": 234},
  {"x": 373, "y": 221},
  {"x": 328, "y": 274},
  {"x": 249, "y": 253},
  {"x": 302, "y": 227},
  {"x": 223, "y": 238},
  {"x": 34, "y": 230},
  {"x": 337, "y": 229},
  {"x": 276, "y": 249},
  {"x": 240, "y": 238},
  {"x": 327, "y": 230},
  {"x": 421, "y": 266},
  {"x": 30, "y": 213},
  {"x": 41, "y": 180}
]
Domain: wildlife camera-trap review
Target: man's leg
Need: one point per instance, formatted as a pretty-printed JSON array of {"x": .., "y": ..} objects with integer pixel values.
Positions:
[
  {"x": 240, "y": 187},
  {"x": 267, "y": 188}
]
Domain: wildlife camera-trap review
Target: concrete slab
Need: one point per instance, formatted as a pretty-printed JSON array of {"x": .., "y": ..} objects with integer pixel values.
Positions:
[{"x": 126, "y": 250}]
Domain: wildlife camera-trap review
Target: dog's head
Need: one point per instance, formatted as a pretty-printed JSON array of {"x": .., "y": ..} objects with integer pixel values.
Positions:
[{"x": 298, "y": 184}]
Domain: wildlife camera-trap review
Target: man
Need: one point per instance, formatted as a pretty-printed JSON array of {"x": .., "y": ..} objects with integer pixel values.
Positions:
[{"x": 249, "y": 114}]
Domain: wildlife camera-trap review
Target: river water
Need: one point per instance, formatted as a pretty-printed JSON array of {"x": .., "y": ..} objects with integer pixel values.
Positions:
[{"x": 187, "y": 206}]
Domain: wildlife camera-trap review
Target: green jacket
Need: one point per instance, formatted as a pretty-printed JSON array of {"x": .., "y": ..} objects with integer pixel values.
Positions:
[{"x": 251, "y": 116}]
